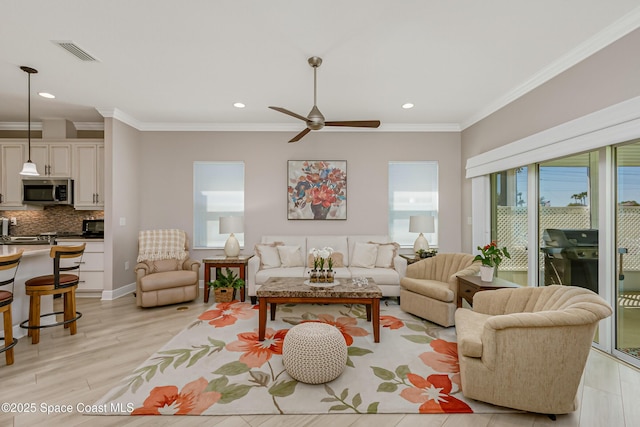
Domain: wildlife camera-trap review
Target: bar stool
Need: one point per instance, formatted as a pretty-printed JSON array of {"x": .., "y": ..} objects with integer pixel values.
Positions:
[
  {"x": 7, "y": 264},
  {"x": 55, "y": 284}
]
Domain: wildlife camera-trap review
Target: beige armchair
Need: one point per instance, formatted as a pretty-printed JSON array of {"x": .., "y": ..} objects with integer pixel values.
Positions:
[
  {"x": 430, "y": 288},
  {"x": 167, "y": 281},
  {"x": 526, "y": 348}
]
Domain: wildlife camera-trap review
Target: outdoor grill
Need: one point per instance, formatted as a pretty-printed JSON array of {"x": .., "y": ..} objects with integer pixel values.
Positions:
[{"x": 571, "y": 258}]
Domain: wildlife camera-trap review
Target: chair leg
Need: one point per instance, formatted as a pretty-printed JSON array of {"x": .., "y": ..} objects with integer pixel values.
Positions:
[
  {"x": 73, "y": 326},
  {"x": 29, "y": 333},
  {"x": 35, "y": 319},
  {"x": 8, "y": 335},
  {"x": 66, "y": 309}
]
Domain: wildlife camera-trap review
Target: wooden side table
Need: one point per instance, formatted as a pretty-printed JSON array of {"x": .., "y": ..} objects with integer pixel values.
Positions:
[
  {"x": 468, "y": 286},
  {"x": 239, "y": 262}
]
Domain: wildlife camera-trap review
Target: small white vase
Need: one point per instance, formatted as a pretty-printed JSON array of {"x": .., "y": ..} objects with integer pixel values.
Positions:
[{"x": 486, "y": 273}]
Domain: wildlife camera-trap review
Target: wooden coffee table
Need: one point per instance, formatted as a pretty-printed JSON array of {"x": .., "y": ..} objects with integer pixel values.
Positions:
[{"x": 292, "y": 290}]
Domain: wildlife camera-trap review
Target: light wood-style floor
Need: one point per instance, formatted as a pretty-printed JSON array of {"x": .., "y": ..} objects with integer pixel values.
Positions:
[{"x": 114, "y": 337}]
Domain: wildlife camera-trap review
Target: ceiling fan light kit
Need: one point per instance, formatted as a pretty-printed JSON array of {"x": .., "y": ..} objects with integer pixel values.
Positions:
[{"x": 315, "y": 120}]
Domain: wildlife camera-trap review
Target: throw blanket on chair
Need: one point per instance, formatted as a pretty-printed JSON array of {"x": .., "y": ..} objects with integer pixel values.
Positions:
[{"x": 161, "y": 244}]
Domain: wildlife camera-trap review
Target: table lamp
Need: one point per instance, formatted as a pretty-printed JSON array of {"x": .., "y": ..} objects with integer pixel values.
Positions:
[
  {"x": 421, "y": 224},
  {"x": 230, "y": 225}
]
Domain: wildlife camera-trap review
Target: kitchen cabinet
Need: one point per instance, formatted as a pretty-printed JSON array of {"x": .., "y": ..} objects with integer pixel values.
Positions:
[
  {"x": 52, "y": 159},
  {"x": 91, "y": 267},
  {"x": 88, "y": 168},
  {"x": 12, "y": 156}
]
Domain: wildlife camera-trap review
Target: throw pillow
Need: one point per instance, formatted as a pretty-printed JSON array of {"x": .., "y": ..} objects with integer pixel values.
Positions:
[
  {"x": 290, "y": 256},
  {"x": 364, "y": 255},
  {"x": 269, "y": 256},
  {"x": 386, "y": 253}
]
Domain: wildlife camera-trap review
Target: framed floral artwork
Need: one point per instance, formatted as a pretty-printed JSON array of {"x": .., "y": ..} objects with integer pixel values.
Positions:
[{"x": 317, "y": 189}]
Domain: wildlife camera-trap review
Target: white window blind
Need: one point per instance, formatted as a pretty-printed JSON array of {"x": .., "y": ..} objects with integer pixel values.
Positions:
[
  {"x": 413, "y": 190},
  {"x": 218, "y": 191}
]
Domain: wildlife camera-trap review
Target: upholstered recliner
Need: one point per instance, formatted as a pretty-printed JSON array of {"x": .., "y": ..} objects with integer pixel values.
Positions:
[
  {"x": 430, "y": 288},
  {"x": 165, "y": 274},
  {"x": 526, "y": 348}
]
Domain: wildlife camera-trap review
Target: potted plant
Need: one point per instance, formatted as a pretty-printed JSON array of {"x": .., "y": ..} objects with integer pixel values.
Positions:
[
  {"x": 491, "y": 257},
  {"x": 225, "y": 285}
]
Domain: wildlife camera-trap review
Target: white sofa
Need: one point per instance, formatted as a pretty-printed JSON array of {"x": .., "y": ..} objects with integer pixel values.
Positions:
[{"x": 387, "y": 270}]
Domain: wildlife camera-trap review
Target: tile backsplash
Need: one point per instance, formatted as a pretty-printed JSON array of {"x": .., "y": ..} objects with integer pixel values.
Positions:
[{"x": 51, "y": 218}]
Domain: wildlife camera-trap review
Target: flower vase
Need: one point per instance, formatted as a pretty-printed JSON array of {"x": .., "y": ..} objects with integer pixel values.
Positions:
[
  {"x": 321, "y": 276},
  {"x": 319, "y": 211},
  {"x": 329, "y": 276},
  {"x": 486, "y": 273},
  {"x": 313, "y": 278}
]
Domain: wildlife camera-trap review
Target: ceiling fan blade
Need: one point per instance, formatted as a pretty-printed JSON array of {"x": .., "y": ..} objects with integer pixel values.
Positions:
[
  {"x": 290, "y": 113},
  {"x": 299, "y": 136},
  {"x": 356, "y": 123}
]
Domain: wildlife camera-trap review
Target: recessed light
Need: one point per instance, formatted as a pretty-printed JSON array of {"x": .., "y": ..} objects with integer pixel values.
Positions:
[
  {"x": 407, "y": 105},
  {"x": 46, "y": 95},
  {"x": 239, "y": 105}
]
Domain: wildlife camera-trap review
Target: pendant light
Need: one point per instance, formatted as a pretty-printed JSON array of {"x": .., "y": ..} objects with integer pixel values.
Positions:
[{"x": 29, "y": 168}]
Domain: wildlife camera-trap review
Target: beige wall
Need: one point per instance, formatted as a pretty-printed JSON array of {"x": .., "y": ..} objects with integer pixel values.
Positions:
[
  {"x": 166, "y": 175},
  {"x": 608, "y": 77},
  {"x": 122, "y": 162}
]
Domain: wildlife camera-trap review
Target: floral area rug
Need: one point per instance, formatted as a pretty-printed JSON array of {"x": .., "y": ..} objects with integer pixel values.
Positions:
[{"x": 217, "y": 366}]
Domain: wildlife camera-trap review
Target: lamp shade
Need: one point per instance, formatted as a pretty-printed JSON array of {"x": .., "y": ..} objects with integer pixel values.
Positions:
[
  {"x": 421, "y": 224},
  {"x": 231, "y": 224},
  {"x": 29, "y": 169}
]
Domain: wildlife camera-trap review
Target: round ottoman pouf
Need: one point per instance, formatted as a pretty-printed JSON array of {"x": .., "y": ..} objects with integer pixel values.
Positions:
[{"x": 314, "y": 353}]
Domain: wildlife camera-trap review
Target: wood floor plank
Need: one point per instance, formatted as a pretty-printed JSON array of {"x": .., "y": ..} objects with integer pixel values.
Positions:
[{"x": 115, "y": 337}]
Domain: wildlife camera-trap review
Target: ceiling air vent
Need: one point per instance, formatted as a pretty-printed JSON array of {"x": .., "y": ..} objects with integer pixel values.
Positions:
[{"x": 75, "y": 50}]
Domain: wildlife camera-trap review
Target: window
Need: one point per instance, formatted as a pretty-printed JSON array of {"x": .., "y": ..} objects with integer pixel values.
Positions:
[
  {"x": 413, "y": 190},
  {"x": 218, "y": 190}
]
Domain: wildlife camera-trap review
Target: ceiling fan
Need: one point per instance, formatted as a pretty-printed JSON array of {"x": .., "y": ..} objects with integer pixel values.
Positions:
[{"x": 315, "y": 119}]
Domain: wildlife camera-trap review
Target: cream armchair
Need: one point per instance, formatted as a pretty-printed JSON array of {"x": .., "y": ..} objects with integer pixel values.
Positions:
[
  {"x": 526, "y": 348},
  {"x": 167, "y": 281},
  {"x": 430, "y": 288}
]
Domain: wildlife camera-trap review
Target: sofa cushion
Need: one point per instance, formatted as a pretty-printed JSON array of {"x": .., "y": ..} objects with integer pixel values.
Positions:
[
  {"x": 337, "y": 257},
  {"x": 167, "y": 280},
  {"x": 160, "y": 265},
  {"x": 263, "y": 275},
  {"x": 382, "y": 276},
  {"x": 290, "y": 256},
  {"x": 364, "y": 255},
  {"x": 429, "y": 288},
  {"x": 469, "y": 327},
  {"x": 336, "y": 243},
  {"x": 269, "y": 256}
]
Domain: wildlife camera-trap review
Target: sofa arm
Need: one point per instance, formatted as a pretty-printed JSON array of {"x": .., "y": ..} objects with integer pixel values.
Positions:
[
  {"x": 191, "y": 264},
  {"x": 253, "y": 267},
  {"x": 400, "y": 265}
]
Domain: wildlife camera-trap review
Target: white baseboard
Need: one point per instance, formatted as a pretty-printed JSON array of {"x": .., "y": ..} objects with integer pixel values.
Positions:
[{"x": 120, "y": 292}]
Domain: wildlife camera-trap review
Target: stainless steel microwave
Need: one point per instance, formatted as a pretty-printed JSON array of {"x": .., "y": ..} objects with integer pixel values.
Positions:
[{"x": 52, "y": 191}]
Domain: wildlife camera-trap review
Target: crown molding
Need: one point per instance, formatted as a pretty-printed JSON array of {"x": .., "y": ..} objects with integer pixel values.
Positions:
[
  {"x": 611, "y": 125},
  {"x": 266, "y": 127},
  {"x": 38, "y": 126},
  {"x": 20, "y": 126},
  {"x": 602, "y": 39}
]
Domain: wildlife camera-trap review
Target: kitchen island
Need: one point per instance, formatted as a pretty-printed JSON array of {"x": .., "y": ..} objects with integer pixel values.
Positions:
[{"x": 35, "y": 262}]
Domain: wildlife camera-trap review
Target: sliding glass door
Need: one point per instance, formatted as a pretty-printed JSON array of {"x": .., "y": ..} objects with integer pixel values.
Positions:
[{"x": 627, "y": 295}]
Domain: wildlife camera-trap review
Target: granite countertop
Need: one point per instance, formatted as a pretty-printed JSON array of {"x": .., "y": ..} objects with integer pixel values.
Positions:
[
  {"x": 29, "y": 250},
  {"x": 294, "y": 287}
]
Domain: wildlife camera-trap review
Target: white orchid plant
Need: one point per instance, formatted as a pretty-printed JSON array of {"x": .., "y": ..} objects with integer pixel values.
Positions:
[{"x": 319, "y": 257}]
